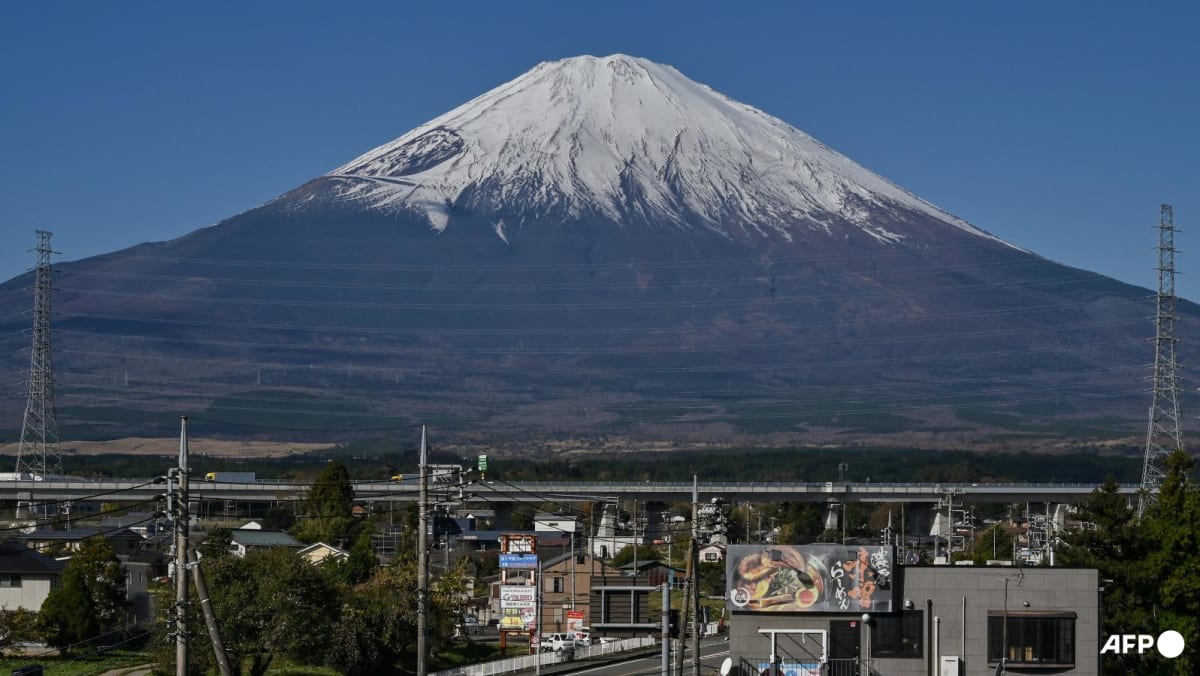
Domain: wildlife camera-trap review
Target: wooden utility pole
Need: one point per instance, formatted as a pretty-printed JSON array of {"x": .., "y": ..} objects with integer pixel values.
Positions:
[{"x": 210, "y": 617}]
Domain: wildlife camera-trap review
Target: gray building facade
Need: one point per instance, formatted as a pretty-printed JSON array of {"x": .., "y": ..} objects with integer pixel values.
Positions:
[{"x": 937, "y": 621}]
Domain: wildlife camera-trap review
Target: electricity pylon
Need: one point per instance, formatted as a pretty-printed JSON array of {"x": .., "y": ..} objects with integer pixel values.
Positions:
[
  {"x": 1162, "y": 435},
  {"x": 37, "y": 454}
]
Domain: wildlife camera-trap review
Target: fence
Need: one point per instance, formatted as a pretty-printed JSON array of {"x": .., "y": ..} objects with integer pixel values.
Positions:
[
  {"x": 511, "y": 664},
  {"x": 791, "y": 666}
]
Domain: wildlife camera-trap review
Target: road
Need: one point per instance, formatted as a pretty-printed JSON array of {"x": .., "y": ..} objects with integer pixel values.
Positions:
[{"x": 712, "y": 653}]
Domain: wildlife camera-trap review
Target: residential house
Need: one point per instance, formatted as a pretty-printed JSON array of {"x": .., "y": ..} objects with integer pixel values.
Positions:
[
  {"x": 566, "y": 586},
  {"x": 320, "y": 554},
  {"x": 712, "y": 554},
  {"x": 653, "y": 571},
  {"x": 139, "y": 570},
  {"x": 26, "y": 576},
  {"x": 144, "y": 524},
  {"x": 122, "y": 540},
  {"x": 243, "y": 541}
]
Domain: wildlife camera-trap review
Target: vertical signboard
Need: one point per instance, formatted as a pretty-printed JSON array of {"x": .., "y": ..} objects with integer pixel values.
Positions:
[
  {"x": 518, "y": 602},
  {"x": 575, "y": 623}
]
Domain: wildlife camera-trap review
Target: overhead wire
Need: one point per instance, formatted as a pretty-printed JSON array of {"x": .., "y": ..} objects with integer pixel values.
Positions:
[{"x": 72, "y": 519}]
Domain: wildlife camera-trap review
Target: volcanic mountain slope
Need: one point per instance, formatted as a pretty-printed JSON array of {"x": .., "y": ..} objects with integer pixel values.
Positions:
[{"x": 601, "y": 250}]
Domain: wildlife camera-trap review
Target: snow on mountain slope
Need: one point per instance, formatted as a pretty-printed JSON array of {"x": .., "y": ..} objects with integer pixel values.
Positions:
[{"x": 626, "y": 139}]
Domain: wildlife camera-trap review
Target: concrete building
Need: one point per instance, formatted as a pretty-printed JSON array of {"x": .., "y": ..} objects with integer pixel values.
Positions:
[{"x": 920, "y": 620}]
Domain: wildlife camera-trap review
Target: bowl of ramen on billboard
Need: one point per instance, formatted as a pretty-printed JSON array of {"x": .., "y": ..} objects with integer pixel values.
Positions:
[{"x": 809, "y": 578}]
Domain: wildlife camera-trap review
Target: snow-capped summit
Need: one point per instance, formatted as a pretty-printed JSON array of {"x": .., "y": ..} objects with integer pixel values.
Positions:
[{"x": 627, "y": 140}]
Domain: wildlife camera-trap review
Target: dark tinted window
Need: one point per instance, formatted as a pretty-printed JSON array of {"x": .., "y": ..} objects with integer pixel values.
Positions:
[
  {"x": 898, "y": 635},
  {"x": 1032, "y": 640}
]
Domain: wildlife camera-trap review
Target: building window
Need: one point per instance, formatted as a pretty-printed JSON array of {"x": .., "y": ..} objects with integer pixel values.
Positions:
[
  {"x": 898, "y": 635},
  {"x": 1032, "y": 638},
  {"x": 558, "y": 586},
  {"x": 10, "y": 580},
  {"x": 710, "y": 556}
]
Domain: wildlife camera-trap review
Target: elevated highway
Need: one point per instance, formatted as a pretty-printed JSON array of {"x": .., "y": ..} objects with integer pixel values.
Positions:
[{"x": 113, "y": 490}]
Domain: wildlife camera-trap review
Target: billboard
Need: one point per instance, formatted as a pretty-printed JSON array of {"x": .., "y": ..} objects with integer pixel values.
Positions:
[
  {"x": 818, "y": 578},
  {"x": 524, "y": 561},
  {"x": 518, "y": 619},
  {"x": 517, "y": 596},
  {"x": 518, "y": 543}
]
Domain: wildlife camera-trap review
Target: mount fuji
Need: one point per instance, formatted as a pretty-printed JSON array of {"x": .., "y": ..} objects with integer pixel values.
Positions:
[{"x": 600, "y": 253}]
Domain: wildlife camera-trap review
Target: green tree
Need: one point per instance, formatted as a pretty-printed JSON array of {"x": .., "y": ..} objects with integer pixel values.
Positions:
[
  {"x": 271, "y": 604},
  {"x": 90, "y": 600},
  {"x": 362, "y": 562},
  {"x": 18, "y": 626},
  {"x": 328, "y": 509},
  {"x": 1173, "y": 525},
  {"x": 643, "y": 553},
  {"x": 1148, "y": 567},
  {"x": 799, "y": 522},
  {"x": 216, "y": 544},
  {"x": 993, "y": 543},
  {"x": 1113, "y": 543},
  {"x": 379, "y": 620}
]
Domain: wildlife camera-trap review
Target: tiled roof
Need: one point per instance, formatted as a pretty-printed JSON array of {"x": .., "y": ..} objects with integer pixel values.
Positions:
[
  {"x": 263, "y": 538},
  {"x": 17, "y": 558}
]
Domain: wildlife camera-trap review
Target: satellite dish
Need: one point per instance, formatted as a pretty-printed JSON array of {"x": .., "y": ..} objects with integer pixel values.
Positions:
[{"x": 727, "y": 666}]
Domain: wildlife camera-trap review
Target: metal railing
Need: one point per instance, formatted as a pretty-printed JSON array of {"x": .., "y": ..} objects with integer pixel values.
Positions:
[
  {"x": 802, "y": 666},
  {"x": 524, "y": 662}
]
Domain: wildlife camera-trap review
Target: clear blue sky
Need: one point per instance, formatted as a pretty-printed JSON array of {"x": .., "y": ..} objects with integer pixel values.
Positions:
[{"x": 1058, "y": 126}]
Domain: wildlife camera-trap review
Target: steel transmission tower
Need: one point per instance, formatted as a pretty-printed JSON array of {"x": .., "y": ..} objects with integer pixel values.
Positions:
[
  {"x": 38, "y": 452},
  {"x": 1162, "y": 435}
]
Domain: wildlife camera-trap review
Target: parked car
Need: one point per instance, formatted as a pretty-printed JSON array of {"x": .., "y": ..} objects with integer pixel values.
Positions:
[
  {"x": 557, "y": 641},
  {"x": 583, "y": 637}
]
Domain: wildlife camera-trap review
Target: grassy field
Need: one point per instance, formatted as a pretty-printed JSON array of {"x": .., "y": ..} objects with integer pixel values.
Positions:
[{"x": 77, "y": 666}]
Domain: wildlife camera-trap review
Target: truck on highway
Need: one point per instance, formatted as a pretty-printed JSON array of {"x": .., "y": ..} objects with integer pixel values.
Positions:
[
  {"x": 231, "y": 477},
  {"x": 438, "y": 474}
]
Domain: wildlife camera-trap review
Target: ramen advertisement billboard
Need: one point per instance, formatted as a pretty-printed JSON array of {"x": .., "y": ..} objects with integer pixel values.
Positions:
[{"x": 819, "y": 578}]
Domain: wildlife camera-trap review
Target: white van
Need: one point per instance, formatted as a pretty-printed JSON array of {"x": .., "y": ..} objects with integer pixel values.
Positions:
[
  {"x": 583, "y": 637},
  {"x": 557, "y": 641}
]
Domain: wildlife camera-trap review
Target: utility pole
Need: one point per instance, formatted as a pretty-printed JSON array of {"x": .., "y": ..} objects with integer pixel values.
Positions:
[
  {"x": 666, "y": 629},
  {"x": 685, "y": 607},
  {"x": 1162, "y": 435},
  {"x": 423, "y": 563},
  {"x": 37, "y": 454},
  {"x": 181, "y": 548},
  {"x": 695, "y": 563},
  {"x": 537, "y": 617},
  {"x": 210, "y": 618}
]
